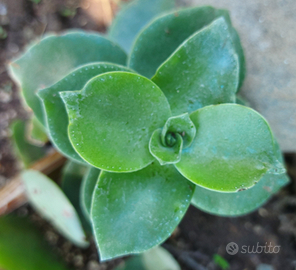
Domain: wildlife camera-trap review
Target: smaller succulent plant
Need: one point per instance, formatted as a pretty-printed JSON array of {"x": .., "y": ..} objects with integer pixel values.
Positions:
[{"x": 157, "y": 129}]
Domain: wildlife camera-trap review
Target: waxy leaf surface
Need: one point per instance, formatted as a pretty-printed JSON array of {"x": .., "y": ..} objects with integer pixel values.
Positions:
[
  {"x": 112, "y": 119},
  {"x": 133, "y": 17},
  {"x": 53, "y": 205},
  {"x": 133, "y": 212},
  {"x": 233, "y": 148},
  {"x": 243, "y": 202},
  {"x": 166, "y": 33},
  {"x": 50, "y": 59},
  {"x": 202, "y": 71},
  {"x": 22, "y": 246},
  {"x": 54, "y": 107},
  {"x": 87, "y": 189},
  {"x": 163, "y": 153}
]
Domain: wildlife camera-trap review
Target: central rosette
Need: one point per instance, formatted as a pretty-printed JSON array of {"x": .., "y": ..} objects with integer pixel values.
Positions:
[{"x": 166, "y": 144}]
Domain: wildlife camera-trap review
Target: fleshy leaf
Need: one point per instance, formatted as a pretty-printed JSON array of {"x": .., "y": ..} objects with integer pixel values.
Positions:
[
  {"x": 155, "y": 258},
  {"x": 232, "y": 150},
  {"x": 27, "y": 152},
  {"x": 181, "y": 124},
  {"x": 202, "y": 71},
  {"x": 50, "y": 59},
  {"x": 168, "y": 153},
  {"x": 133, "y": 212},
  {"x": 54, "y": 107},
  {"x": 37, "y": 132},
  {"x": 170, "y": 31},
  {"x": 243, "y": 202},
  {"x": 112, "y": 119},
  {"x": 22, "y": 246},
  {"x": 52, "y": 204},
  {"x": 87, "y": 189},
  {"x": 133, "y": 17},
  {"x": 72, "y": 176}
]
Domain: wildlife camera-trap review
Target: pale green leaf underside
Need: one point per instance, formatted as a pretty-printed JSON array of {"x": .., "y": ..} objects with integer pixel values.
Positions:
[
  {"x": 50, "y": 59},
  {"x": 133, "y": 17},
  {"x": 133, "y": 212},
  {"x": 232, "y": 150},
  {"x": 202, "y": 71},
  {"x": 55, "y": 111},
  {"x": 87, "y": 188},
  {"x": 243, "y": 202},
  {"x": 37, "y": 132},
  {"x": 52, "y": 204},
  {"x": 22, "y": 246},
  {"x": 112, "y": 119},
  {"x": 170, "y": 31}
]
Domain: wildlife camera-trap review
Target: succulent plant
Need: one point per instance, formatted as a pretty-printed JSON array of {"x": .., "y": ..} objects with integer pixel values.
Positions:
[{"x": 158, "y": 129}]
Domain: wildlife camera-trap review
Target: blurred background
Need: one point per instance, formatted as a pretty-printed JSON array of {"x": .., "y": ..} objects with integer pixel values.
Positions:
[{"x": 268, "y": 34}]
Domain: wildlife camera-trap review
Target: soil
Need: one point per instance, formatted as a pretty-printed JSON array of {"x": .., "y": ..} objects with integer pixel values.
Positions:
[{"x": 200, "y": 235}]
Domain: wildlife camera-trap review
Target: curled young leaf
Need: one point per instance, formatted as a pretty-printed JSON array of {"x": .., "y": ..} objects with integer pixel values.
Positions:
[
  {"x": 168, "y": 152},
  {"x": 232, "y": 150},
  {"x": 243, "y": 202},
  {"x": 133, "y": 17},
  {"x": 181, "y": 124},
  {"x": 54, "y": 108},
  {"x": 50, "y": 59},
  {"x": 52, "y": 204},
  {"x": 112, "y": 119},
  {"x": 202, "y": 71},
  {"x": 133, "y": 212}
]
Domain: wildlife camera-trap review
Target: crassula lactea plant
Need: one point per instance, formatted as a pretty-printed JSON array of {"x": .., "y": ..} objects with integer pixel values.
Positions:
[{"x": 149, "y": 117}]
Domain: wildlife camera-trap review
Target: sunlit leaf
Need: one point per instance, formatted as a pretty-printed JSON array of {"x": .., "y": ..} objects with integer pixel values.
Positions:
[
  {"x": 166, "y": 33},
  {"x": 243, "y": 202},
  {"x": 50, "y": 59},
  {"x": 55, "y": 111},
  {"x": 112, "y": 119},
  {"x": 53, "y": 205},
  {"x": 233, "y": 148},
  {"x": 202, "y": 71},
  {"x": 133, "y": 17},
  {"x": 133, "y": 212}
]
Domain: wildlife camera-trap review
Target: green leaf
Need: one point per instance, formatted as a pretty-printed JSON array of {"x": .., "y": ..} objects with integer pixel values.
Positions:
[
  {"x": 71, "y": 184},
  {"x": 166, "y": 33},
  {"x": 221, "y": 262},
  {"x": 133, "y": 17},
  {"x": 87, "y": 189},
  {"x": 160, "y": 259},
  {"x": 155, "y": 258},
  {"x": 166, "y": 154},
  {"x": 133, "y": 212},
  {"x": 181, "y": 124},
  {"x": 232, "y": 150},
  {"x": 37, "y": 132},
  {"x": 202, "y": 71},
  {"x": 50, "y": 59},
  {"x": 51, "y": 203},
  {"x": 22, "y": 246},
  {"x": 27, "y": 152},
  {"x": 54, "y": 107},
  {"x": 243, "y": 202},
  {"x": 112, "y": 119}
]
